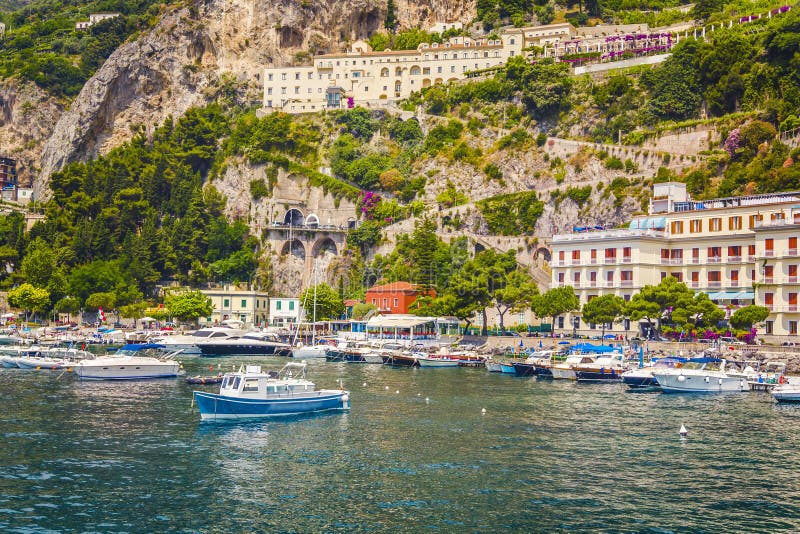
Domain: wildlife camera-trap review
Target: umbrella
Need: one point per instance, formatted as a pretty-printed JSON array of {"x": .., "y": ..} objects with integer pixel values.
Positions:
[
  {"x": 521, "y": 344},
  {"x": 563, "y": 343},
  {"x": 7, "y": 316},
  {"x": 540, "y": 343},
  {"x": 610, "y": 336},
  {"x": 148, "y": 320}
]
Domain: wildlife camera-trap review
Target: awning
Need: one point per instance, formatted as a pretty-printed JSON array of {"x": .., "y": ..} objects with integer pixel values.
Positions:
[
  {"x": 398, "y": 321},
  {"x": 731, "y": 295},
  {"x": 648, "y": 223}
]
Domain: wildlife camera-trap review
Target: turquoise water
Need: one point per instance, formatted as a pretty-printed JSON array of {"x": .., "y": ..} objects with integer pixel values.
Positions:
[{"x": 546, "y": 456}]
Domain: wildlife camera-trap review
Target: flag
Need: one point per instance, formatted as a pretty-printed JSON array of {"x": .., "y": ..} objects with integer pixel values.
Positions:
[{"x": 100, "y": 315}]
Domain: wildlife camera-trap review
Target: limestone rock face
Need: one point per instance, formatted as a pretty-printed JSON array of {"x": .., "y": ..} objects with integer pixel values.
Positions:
[
  {"x": 27, "y": 117},
  {"x": 184, "y": 60}
]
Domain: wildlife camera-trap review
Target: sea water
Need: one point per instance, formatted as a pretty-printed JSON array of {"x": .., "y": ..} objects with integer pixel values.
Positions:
[{"x": 419, "y": 456}]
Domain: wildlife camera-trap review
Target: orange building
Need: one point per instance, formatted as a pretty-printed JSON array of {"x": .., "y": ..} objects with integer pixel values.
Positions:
[{"x": 395, "y": 297}]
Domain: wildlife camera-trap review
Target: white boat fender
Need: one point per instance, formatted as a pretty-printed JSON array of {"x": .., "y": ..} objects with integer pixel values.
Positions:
[
  {"x": 483, "y": 411},
  {"x": 427, "y": 400},
  {"x": 720, "y": 381},
  {"x": 386, "y": 388},
  {"x": 681, "y": 378},
  {"x": 364, "y": 385},
  {"x": 397, "y": 392},
  {"x": 683, "y": 432},
  {"x": 707, "y": 380}
]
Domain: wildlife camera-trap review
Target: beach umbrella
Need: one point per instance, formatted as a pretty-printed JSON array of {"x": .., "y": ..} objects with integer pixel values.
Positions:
[
  {"x": 540, "y": 343},
  {"x": 641, "y": 356}
]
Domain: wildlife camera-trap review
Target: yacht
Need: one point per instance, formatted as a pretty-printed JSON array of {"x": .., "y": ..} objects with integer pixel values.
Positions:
[
  {"x": 130, "y": 362},
  {"x": 565, "y": 370},
  {"x": 702, "y": 375},
  {"x": 642, "y": 379},
  {"x": 250, "y": 392},
  {"x": 187, "y": 343},
  {"x": 252, "y": 343},
  {"x": 605, "y": 368}
]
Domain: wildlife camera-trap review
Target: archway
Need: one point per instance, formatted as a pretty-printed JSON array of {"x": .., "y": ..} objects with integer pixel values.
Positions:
[
  {"x": 384, "y": 72},
  {"x": 312, "y": 220},
  {"x": 398, "y": 71},
  {"x": 479, "y": 248},
  {"x": 426, "y": 82},
  {"x": 294, "y": 217},
  {"x": 294, "y": 247},
  {"x": 438, "y": 81},
  {"x": 321, "y": 246},
  {"x": 351, "y": 223},
  {"x": 542, "y": 253},
  {"x": 415, "y": 70}
]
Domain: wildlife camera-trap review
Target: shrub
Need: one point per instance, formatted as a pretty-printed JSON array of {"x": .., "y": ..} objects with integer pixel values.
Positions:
[
  {"x": 614, "y": 163},
  {"x": 258, "y": 189}
]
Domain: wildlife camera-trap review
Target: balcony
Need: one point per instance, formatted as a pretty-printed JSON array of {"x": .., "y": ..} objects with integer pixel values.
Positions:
[
  {"x": 593, "y": 283},
  {"x": 733, "y": 283},
  {"x": 751, "y": 257},
  {"x": 714, "y": 284},
  {"x": 770, "y": 306},
  {"x": 575, "y": 261},
  {"x": 769, "y": 253},
  {"x": 768, "y": 280},
  {"x": 626, "y": 259},
  {"x": 665, "y": 261},
  {"x": 676, "y": 261},
  {"x": 792, "y": 279},
  {"x": 694, "y": 285},
  {"x": 560, "y": 263},
  {"x": 610, "y": 260},
  {"x": 593, "y": 261},
  {"x": 609, "y": 283},
  {"x": 695, "y": 260},
  {"x": 715, "y": 259},
  {"x": 791, "y": 308},
  {"x": 626, "y": 283},
  {"x": 734, "y": 259}
]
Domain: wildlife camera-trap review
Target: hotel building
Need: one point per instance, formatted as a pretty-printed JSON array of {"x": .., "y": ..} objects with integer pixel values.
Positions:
[
  {"x": 368, "y": 78},
  {"x": 739, "y": 250}
]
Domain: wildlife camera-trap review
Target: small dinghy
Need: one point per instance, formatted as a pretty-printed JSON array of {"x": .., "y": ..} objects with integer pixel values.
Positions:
[{"x": 203, "y": 380}]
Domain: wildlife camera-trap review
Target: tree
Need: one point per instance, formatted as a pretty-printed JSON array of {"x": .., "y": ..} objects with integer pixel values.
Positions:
[
  {"x": 515, "y": 293},
  {"x": 188, "y": 305},
  {"x": 603, "y": 310},
  {"x": 390, "y": 22},
  {"x": 555, "y": 302},
  {"x": 670, "y": 301},
  {"x": 133, "y": 311},
  {"x": 39, "y": 263},
  {"x": 746, "y": 317},
  {"x": 29, "y": 298},
  {"x": 361, "y": 310},
  {"x": 327, "y": 301},
  {"x": 104, "y": 300}
]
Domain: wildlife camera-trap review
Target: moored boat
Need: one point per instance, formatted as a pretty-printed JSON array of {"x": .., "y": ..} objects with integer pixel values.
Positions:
[
  {"x": 250, "y": 344},
  {"x": 426, "y": 360},
  {"x": 250, "y": 393},
  {"x": 642, "y": 379},
  {"x": 608, "y": 368},
  {"x": 566, "y": 370},
  {"x": 494, "y": 367},
  {"x": 702, "y": 375},
  {"x": 130, "y": 362},
  {"x": 786, "y": 392}
]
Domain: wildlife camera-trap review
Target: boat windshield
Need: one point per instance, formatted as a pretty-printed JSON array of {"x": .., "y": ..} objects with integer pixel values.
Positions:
[{"x": 708, "y": 366}]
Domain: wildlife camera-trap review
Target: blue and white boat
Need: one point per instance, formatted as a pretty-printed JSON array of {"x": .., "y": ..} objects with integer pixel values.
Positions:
[
  {"x": 642, "y": 379},
  {"x": 131, "y": 362},
  {"x": 250, "y": 393}
]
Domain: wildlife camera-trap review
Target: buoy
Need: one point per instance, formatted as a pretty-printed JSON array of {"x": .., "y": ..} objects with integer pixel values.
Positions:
[
  {"x": 683, "y": 432},
  {"x": 483, "y": 411},
  {"x": 419, "y": 394},
  {"x": 427, "y": 400},
  {"x": 386, "y": 388},
  {"x": 364, "y": 385},
  {"x": 396, "y": 392}
]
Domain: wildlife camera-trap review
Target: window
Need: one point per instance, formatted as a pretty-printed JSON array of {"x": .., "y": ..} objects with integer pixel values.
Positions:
[
  {"x": 755, "y": 219},
  {"x": 250, "y": 384},
  {"x": 676, "y": 227},
  {"x": 792, "y": 246},
  {"x": 296, "y": 75},
  {"x": 561, "y": 322},
  {"x": 769, "y": 272},
  {"x": 695, "y": 276},
  {"x": 593, "y": 255},
  {"x": 735, "y": 223},
  {"x": 226, "y": 303},
  {"x": 269, "y": 91},
  {"x": 374, "y": 302},
  {"x": 283, "y": 90},
  {"x": 576, "y": 256},
  {"x": 678, "y": 276},
  {"x": 715, "y": 224},
  {"x": 561, "y": 255},
  {"x": 576, "y": 277},
  {"x": 291, "y": 305},
  {"x": 626, "y": 253},
  {"x": 696, "y": 226},
  {"x": 663, "y": 275},
  {"x": 768, "y": 328},
  {"x": 269, "y": 77},
  {"x": 560, "y": 279},
  {"x": 751, "y": 250},
  {"x": 769, "y": 247},
  {"x": 714, "y": 278},
  {"x": 714, "y": 254},
  {"x": 593, "y": 277},
  {"x": 792, "y": 328},
  {"x": 610, "y": 277},
  {"x": 734, "y": 252},
  {"x": 283, "y": 76},
  {"x": 769, "y": 299},
  {"x": 793, "y": 273},
  {"x": 792, "y": 301},
  {"x": 278, "y": 305},
  {"x": 244, "y": 303},
  {"x": 396, "y": 302},
  {"x": 735, "y": 278},
  {"x": 611, "y": 255}
]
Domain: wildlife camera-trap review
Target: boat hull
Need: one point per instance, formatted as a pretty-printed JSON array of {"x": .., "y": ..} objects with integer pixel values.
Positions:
[
  {"x": 562, "y": 374},
  {"x": 401, "y": 361},
  {"x": 786, "y": 395},
  {"x": 40, "y": 363},
  {"x": 214, "y": 350},
  {"x": 213, "y": 406},
  {"x": 598, "y": 375},
  {"x": 507, "y": 369},
  {"x": 701, "y": 383},
  {"x": 123, "y": 371},
  {"x": 494, "y": 367},
  {"x": 310, "y": 353},
  {"x": 524, "y": 369},
  {"x": 438, "y": 362}
]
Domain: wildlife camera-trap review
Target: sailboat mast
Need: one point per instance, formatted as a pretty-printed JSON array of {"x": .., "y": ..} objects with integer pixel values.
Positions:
[{"x": 314, "y": 313}]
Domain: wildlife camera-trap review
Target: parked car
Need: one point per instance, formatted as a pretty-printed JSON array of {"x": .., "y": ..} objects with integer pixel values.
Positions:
[
  {"x": 731, "y": 341},
  {"x": 705, "y": 340}
]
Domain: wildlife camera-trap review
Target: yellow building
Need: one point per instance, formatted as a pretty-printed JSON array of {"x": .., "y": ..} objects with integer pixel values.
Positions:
[{"x": 739, "y": 250}]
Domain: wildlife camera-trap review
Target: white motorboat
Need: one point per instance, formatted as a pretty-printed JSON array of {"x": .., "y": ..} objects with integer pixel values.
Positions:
[
  {"x": 566, "y": 370},
  {"x": 310, "y": 352},
  {"x": 131, "y": 362},
  {"x": 702, "y": 375},
  {"x": 787, "y": 392},
  {"x": 252, "y": 393},
  {"x": 642, "y": 379},
  {"x": 252, "y": 343},
  {"x": 432, "y": 360}
]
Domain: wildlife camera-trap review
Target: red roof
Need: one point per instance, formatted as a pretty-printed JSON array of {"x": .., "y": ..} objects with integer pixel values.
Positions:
[
  {"x": 394, "y": 286},
  {"x": 351, "y": 302}
]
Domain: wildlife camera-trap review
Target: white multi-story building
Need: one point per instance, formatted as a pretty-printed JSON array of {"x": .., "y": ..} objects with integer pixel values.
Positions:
[
  {"x": 364, "y": 77},
  {"x": 739, "y": 250},
  {"x": 94, "y": 18},
  {"x": 285, "y": 311}
]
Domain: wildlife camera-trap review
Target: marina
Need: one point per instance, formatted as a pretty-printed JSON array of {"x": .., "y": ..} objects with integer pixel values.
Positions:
[{"x": 415, "y": 451}]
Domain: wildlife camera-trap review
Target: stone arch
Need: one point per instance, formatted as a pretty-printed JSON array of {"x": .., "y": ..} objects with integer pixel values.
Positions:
[
  {"x": 383, "y": 97},
  {"x": 294, "y": 217},
  {"x": 398, "y": 71},
  {"x": 426, "y": 82},
  {"x": 312, "y": 220},
  {"x": 542, "y": 253},
  {"x": 384, "y": 72},
  {"x": 438, "y": 81},
  {"x": 322, "y": 245},
  {"x": 451, "y": 80},
  {"x": 415, "y": 70},
  {"x": 479, "y": 248},
  {"x": 351, "y": 223},
  {"x": 294, "y": 247}
]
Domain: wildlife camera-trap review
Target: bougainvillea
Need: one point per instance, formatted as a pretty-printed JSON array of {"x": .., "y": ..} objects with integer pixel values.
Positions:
[
  {"x": 732, "y": 142},
  {"x": 369, "y": 201}
]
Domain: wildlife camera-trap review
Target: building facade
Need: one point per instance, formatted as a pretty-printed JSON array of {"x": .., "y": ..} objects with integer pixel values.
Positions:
[
  {"x": 94, "y": 18},
  {"x": 250, "y": 307},
  {"x": 740, "y": 251},
  {"x": 285, "y": 311},
  {"x": 8, "y": 178},
  {"x": 367, "y": 78},
  {"x": 395, "y": 297}
]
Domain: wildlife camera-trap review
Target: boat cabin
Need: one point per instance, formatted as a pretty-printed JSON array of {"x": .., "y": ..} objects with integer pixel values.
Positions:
[{"x": 253, "y": 383}]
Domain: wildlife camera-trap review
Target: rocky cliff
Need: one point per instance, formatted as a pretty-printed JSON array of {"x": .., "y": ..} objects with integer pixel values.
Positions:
[{"x": 195, "y": 52}]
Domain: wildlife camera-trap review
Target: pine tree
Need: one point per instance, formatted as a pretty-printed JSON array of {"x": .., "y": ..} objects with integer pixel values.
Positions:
[{"x": 390, "y": 22}]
